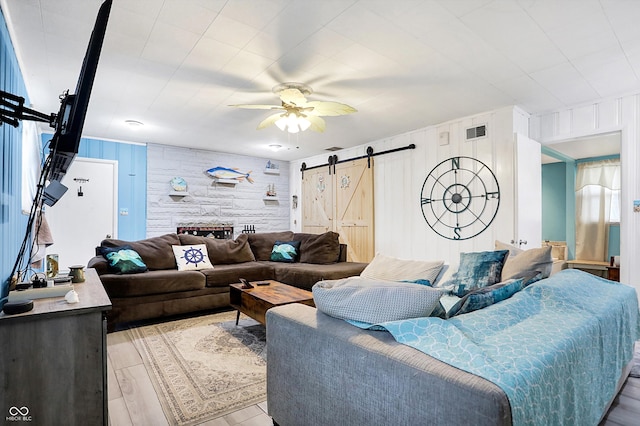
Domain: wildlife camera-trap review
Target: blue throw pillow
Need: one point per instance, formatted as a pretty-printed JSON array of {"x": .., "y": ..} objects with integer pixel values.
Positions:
[
  {"x": 285, "y": 251},
  {"x": 478, "y": 270},
  {"x": 486, "y": 296},
  {"x": 123, "y": 260}
]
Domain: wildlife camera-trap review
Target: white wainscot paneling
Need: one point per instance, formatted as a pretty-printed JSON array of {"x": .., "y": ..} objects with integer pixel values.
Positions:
[
  {"x": 609, "y": 113},
  {"x": 584, "y": 119}
]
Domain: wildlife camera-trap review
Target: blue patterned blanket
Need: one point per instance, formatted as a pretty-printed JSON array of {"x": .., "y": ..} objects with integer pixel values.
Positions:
[{"x": 556, "y": 348}]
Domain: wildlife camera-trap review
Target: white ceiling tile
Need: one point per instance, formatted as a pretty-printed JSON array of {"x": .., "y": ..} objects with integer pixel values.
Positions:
[
  {"x": 127, "y": 23},
  {"x": 230, "y": 31},
  {"x": 270, "y": 46},
  {"x": 461, "y": 8},
  {"x": 74, "y": 11},
  {"x": 245, "y": 67},
  {"x": 256, "y": 14},
  {"x": 150, "y": 8},
  {"x": 118, "y": 45},
  {"x": 565, "y": 83},
  {"x": 168, "y": 44},
  {"x": 187, "y": 15},
  {"x": 598, "y": 68},
  {"x": 553, "y": 16},
  {"x": 529, "y": 94},
  {"x": 444, "y": 58},
  {"x": 510, "y": 30},
  {"x": 209, "y": 55},
  {"x": 623, "y": 16}
]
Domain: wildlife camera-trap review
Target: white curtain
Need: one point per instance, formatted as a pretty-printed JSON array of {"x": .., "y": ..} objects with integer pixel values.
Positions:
[
  {"x": 597, "y": 205},
  {"x": 31, "y": 160}
]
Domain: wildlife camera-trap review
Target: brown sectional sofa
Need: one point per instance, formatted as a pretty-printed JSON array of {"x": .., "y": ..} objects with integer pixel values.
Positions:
[{"x": 163, "y": 290}]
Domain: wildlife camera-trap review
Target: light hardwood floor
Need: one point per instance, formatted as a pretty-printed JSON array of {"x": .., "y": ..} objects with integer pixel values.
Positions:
[{"x": 133, "y": 400}]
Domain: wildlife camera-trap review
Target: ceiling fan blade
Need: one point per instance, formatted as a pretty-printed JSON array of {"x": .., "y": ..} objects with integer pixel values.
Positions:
[
  {"x": 249, "y": 106},
  {"x": 270, "y": 120},
  {"x": 329, "y": 108},
  {"x": 317, "y": 123},
  {"x": 293, "y": 97}
]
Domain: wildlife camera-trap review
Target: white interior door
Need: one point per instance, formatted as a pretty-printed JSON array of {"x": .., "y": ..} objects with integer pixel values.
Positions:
[
  {"x": 528, "y": 175},
  {"x": 87, "y": 212}
]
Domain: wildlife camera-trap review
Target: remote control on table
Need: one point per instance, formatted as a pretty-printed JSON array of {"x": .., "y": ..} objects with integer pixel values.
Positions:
[
  {"x": 245, "y": 283},
  {"x": 263, "y": 283}
]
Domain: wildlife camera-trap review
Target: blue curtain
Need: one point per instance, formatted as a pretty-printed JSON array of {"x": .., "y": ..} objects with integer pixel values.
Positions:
[{"x": 12, "y": 222}]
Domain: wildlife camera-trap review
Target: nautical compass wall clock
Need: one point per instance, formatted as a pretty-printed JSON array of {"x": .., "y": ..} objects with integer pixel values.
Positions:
[{"x": 460, "y": 198}]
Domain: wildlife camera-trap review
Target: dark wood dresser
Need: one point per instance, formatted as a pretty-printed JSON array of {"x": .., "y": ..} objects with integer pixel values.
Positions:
[{"x": 53, "y": 359}]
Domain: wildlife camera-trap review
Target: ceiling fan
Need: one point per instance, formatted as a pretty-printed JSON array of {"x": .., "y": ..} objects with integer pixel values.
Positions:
[{"x": 296, "y": 113}]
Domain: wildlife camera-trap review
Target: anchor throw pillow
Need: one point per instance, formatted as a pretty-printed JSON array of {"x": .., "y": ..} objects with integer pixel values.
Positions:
[{"x": 192, "y": 257}]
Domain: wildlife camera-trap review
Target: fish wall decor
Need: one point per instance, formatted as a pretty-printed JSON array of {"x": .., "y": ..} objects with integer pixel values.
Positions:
[{"x": 227, "y": 173}]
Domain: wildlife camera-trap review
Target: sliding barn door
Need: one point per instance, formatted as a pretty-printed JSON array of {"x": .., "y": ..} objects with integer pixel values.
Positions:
[
  {"x": 317, "y": 201},
  {"x": 342, "y": 201}
]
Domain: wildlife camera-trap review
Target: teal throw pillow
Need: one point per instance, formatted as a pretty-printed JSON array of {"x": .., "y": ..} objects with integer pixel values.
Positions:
[
  {"x": 487, "y": 296},
  {"x": 123, "y": 260},
  {"x": 285, "y": 251},
  {"x": 477, "y": 270}
]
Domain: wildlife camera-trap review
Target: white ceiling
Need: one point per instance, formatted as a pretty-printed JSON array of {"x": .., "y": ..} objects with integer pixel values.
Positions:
[
  {"x": 588, "y": 147},
  {"x": 176, "y": 65}
]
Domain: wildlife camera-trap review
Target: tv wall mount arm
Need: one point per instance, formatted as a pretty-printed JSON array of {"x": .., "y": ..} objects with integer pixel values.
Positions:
[{"x": 12, "y": 110}]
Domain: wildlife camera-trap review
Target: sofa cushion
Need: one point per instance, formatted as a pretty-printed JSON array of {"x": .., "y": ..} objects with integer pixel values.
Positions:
[
  {"x": 223, "y": 251},
  {"x": 192, "y": 257},
  {"x": 156, "y": 252},
  {"x": 393, "y": 269},
  {"x": 285, "y": 251},
  {"x": 152, "y": 282},
  {"x": 477, "y": 270},
  {"x": 320, "y": 249},
  {"x": 223, "y": 275},
  {"x": 374, "y": 301},
  {"x": 262, "y": 243},
  {"x": 305, "y": 275},
  {"x": 123, "y": 260}
]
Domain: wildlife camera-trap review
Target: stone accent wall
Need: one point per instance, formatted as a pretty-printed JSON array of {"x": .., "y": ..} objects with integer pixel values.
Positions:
[{"x": 208, "y": 202}]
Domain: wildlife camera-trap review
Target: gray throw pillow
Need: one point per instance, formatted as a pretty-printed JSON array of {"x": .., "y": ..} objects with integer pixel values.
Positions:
[
  {"x": 372, "y": 301},
  {"x": 537, "y": 259}
]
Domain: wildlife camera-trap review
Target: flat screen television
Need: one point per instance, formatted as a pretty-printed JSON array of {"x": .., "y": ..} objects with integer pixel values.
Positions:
[
  {"x": 65, "y": 142},
  {"x": 64, "y": 145}
]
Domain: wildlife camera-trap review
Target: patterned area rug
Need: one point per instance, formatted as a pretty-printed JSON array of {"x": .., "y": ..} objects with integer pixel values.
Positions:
[{"x": 204, "y": 367}]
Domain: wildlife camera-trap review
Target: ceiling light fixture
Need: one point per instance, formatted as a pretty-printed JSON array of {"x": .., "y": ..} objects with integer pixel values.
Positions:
[
  {"x": 296, "y": 113},
  {"x": 134, "y": 124},
  {"x": 275, "y": 147},
  {"x": 293, "y": 123}
]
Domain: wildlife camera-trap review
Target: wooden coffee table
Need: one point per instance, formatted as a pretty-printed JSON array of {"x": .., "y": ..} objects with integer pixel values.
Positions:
[{"x": 255, "y": 301}]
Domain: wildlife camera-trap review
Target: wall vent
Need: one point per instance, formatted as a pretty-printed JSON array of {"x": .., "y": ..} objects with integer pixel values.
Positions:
[
  {"x": 477, "y": 132},
  {"x": 334, "y": 148}
]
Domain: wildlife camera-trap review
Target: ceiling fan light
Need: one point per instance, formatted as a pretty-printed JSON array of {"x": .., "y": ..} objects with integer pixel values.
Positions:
[
  {"x": 282, "y": 123},
  {"x": 292, "y": 124},
  {"x": 303, "y": 123}
]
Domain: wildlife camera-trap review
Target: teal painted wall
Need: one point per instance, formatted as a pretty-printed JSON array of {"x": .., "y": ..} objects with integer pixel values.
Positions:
[
  {"x": 554, "y": 205},
  {"x": 12, "y": 222},
  {"x": 614, "y": 241},
  {"x": 132, "y": 181},
  {"x": 559, "y": 203}
]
